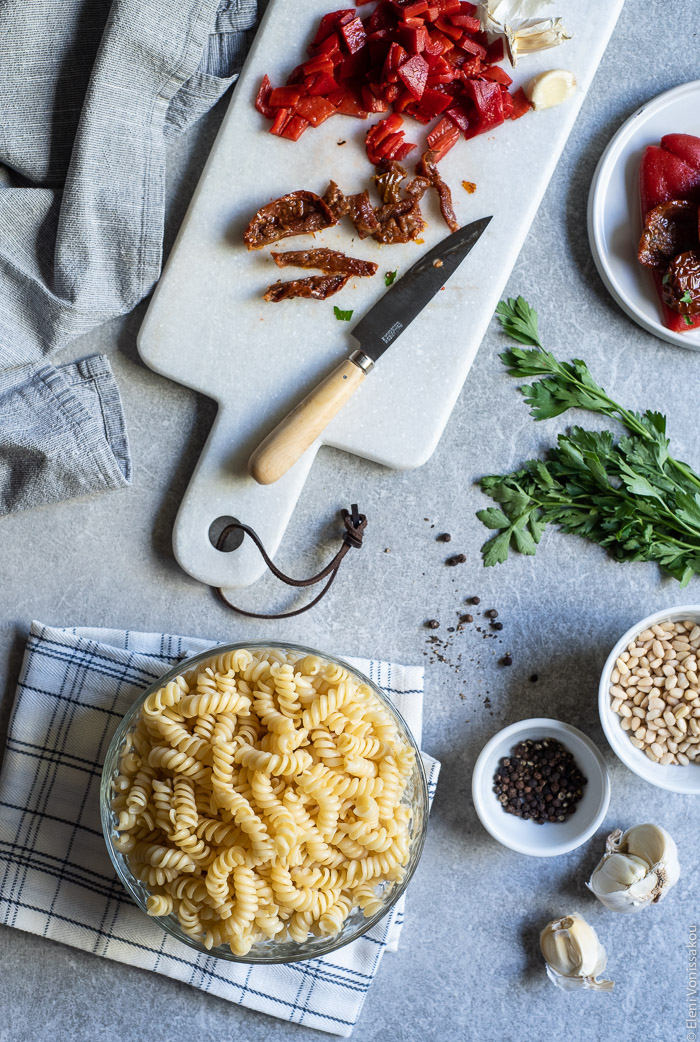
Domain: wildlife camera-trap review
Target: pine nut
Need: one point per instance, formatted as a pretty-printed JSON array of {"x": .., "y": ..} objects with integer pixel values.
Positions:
[
  {"x": 656, "y": 703},
  {"x": 694, "y": 633},
  {"x": 680, "y": 711},
  {"x": 625, "y": 723},
  {"x": 666, "y": 759},
  {"x": 646, "y": 635},
  {"x": 651, "y": 755},
  {"x": 657, "y": 749},
  {"x": 635, "y": 723},
  {"x": 669, "y": 718},
  {"x": 637, "y": 743},
  {"x": 625, "y": 710},
  {"x": 616, "y": 703},
  {"x": 622, "y": 666},
  {"x": 682, "y": 758}
]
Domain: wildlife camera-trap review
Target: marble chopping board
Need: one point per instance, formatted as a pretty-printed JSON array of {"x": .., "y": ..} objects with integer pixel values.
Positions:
[{"x": 208, "y": 328}]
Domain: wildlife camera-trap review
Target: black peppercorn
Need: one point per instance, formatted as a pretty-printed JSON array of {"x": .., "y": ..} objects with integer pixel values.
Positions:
[
  {"x": 491, "y": 613},
  {"x": 539, "y": 781},
  {"x": 507, "y": 660},
  {"x": 475, "y": 600},
  {"x": 432, "y": 624},
  {"x": 456, "y": 559},
  {"x": 496, "y": 625},
  {"x": 445, "y": 537}
]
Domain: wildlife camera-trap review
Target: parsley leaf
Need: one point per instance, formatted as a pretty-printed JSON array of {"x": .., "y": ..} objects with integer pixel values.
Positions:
[
  {"x": 629, "y": 495},
  {"x": 519, "y": 320},
  {"x": 342, "y": 316},
  {"x": 390, "y": 277},
  {"x": 686, "y": 298}
]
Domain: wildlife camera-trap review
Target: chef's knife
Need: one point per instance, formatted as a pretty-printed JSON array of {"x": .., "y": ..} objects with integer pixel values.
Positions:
[{"x": 376, "y": 332}]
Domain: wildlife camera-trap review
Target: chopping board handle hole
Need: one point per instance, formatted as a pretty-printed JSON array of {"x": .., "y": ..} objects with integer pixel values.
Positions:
[{"x": 232, "y": 541}]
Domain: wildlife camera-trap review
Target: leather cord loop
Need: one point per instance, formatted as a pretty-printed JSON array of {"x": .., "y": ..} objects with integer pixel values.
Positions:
[{"x": 355, "y": 524}]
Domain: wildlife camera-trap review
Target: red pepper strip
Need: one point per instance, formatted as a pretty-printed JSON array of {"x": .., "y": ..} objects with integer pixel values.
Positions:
[
  {"x": 320, "y": 85},
  {"x": 445, "y": 25},
  {"x": 442, "y": 138},
  {"x": 354, "y": 35},
  {"x": 498, "y": 75},
  {"x": 394, "y": 58},
  {"x": 281, "y": 119},
  {"x": 295, "y": 128},
  {"x": 262, "y": 102},
  {"x": 414, "y": 74},
  {"x": 315, "y": 110},
  {"x": 415, "y": 40},
  {"x": 330, "y": 22},
  {"x": 372, "y": 103},
  {"x": 494, "y": 51},
  {"x": 347, "y": 104},
  {"x": 466, "y": 21},
  {"x": 508, "y": 106},
  {"x": 488, "y": 104},
  {"x": 403, "y": 151},
  {"x": 411, "y": 10},
  {"x": 284, "y": 97},
  {"x": 521, "y": 103},
  {"x": 472, "y": 46}
]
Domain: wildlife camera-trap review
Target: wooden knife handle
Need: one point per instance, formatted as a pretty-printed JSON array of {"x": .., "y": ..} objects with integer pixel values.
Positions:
[{"x": 291, "y": 438}]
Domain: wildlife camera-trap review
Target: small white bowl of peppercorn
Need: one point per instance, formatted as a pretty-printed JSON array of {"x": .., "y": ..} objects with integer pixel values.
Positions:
[{"x": 541, "y": 787}]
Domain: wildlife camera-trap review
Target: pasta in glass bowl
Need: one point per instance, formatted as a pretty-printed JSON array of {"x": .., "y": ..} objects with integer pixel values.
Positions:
[{"x": 264, "y": 802}]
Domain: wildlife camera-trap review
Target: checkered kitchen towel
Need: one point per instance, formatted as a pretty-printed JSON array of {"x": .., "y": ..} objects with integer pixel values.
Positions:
[{"x": 56, "y": 879}]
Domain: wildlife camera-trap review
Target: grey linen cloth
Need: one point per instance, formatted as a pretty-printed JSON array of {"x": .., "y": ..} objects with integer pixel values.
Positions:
[{"x": 90, "y": 91}]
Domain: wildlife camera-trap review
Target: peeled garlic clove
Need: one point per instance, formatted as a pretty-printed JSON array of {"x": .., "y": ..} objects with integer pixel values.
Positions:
[
  {"x": 638, "y": 869},
  {"x": 573, "y": 954},
  {"x": 551, "y": 88}
]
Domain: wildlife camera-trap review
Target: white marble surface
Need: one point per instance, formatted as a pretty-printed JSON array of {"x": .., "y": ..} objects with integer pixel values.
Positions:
[{"x": 468, "y": 969}]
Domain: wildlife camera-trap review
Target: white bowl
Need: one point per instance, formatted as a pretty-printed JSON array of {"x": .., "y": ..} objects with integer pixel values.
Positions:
[
  {"x": 552, "y": 838},
  {"x": 614, "y": 217},
  {"x": 674, "y": 778}
]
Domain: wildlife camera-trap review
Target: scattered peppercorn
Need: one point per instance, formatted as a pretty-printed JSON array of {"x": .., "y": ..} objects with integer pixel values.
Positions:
[
  {"x": 466, "y": 618},
  {"x": 457, "y": 559},
  {"x": 475, "y": 600},
  {"x": 534, "y": 678},
  {"x": 450, "y": 629},
  {"x": 496, "y": 625},
  {"x": 433, "y": 624},
  {"x": 491, "y": 613},
  {"x": 540, "y": 781},
  {"x": 507, "y": 660},
  {"x": 444, "y": 538}
]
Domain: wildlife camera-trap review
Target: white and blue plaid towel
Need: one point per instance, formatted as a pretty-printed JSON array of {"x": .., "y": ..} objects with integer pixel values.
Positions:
[{"x": 56, "y": 879}]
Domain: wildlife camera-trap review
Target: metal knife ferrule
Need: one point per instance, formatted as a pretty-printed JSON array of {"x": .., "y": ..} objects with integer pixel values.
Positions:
[{"x": 362, "y": 361}]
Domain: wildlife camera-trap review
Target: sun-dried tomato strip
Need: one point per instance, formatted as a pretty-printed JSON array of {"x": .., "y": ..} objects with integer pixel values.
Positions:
[
  {"x": 318, "y": 287},
  {"x": 299, "y": 213},
  {"x": 329, "y": 261}
]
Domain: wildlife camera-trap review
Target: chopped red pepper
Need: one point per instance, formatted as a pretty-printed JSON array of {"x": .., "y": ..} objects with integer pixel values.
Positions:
[
  {"x": 385, "y": 140},
  {"x": 442, "y": 138},
  {"x": 521, "y": 104},
  {"x": 354, "y": 35},
  {"x": 315, "y": 110},
  {"x": 427, "y": 58},
  {"x": 414, "y": 74},
  {"x": 262, "y": 101}
]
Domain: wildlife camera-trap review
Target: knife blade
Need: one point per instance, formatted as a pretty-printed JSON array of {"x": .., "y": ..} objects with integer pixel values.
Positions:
[
  {"x": 376, "y": 332},
  {"x": 405, "y": 300}
]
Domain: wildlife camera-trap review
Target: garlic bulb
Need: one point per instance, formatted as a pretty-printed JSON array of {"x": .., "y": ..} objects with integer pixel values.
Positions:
[
  {"x": 573, "y": 954},
  {"x": 517, "y": 21},
  {"x": 497, "y": 13},
  {"x": 551, "y": 88},
  {"x": 638, "y": 868}
]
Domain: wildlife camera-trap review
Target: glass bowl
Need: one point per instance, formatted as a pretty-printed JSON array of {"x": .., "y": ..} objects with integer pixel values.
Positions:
[{"x": 269, "y": 951}]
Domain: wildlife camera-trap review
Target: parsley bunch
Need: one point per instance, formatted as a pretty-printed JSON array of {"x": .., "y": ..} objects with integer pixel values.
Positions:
[{"x": 629, "y": 496}]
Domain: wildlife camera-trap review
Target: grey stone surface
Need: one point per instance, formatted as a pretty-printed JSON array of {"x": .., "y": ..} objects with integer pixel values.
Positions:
[{"x": 468, "y": 967}]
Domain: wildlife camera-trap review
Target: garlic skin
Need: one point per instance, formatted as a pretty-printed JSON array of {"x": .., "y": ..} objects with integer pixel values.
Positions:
[
  {"x": 573, "y": 954},
  {"x": 497, "y": 13},
  {"x": 638, "y": 869},
  {"x": 551, "y": 88}
]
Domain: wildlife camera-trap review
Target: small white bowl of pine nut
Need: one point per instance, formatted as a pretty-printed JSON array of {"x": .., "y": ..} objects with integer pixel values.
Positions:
[{"x": 649, "y": 699}]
